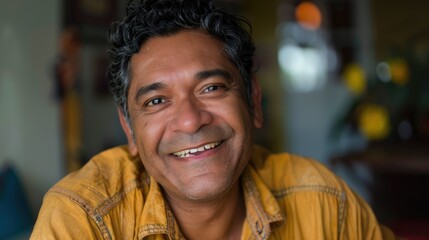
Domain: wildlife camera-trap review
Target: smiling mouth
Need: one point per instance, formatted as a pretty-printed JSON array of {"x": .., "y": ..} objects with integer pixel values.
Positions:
[{"x": 194, "y": 151}]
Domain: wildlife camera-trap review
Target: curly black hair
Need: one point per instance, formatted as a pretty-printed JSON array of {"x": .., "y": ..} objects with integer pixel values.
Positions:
[{"x": 146, "y": 19}]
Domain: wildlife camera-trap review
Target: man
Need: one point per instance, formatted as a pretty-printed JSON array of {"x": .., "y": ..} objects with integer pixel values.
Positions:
[{"x": 181, "y": 74}]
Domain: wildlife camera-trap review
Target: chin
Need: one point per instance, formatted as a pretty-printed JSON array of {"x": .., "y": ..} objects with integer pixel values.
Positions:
[{"x": 208, "y": 190}]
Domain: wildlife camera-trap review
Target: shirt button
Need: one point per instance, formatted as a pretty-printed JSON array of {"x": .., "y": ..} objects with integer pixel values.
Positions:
[{"x": 259, "y": 227}]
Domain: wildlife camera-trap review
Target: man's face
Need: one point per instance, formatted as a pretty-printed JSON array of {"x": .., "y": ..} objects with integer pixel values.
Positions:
[{"x": 192, "y": 125}]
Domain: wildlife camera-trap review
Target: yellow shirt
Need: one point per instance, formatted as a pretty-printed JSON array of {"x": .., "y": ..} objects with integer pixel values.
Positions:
[{"x": 286, "y": 197}]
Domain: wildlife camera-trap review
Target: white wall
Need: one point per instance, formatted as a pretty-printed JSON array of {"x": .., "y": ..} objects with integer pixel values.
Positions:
[{"x": 29, "y": 115}]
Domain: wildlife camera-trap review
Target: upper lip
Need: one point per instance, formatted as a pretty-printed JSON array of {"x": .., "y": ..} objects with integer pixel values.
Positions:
[{"x": 200, "y": 148}]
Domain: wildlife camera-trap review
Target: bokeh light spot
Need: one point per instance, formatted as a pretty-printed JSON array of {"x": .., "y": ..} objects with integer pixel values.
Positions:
[{"x": 308, "y": 15}]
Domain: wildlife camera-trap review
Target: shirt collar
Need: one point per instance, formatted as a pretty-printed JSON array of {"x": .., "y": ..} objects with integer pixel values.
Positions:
[
  {"x": 157, "y": 217},
  {"x": 262, "y": 210}
]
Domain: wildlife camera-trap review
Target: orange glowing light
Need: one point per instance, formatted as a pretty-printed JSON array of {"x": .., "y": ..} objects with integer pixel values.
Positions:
[
  {"x": 308, "y": 15},
  {"x": 400, "y": 71}
]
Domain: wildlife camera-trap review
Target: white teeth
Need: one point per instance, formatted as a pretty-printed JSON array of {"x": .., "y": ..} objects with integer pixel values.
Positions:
[{"x": 188, "y": 152}]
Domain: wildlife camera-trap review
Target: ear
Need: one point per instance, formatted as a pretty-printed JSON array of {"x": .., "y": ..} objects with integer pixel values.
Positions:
[
  {"x": 258, "y": 118},
  {"x": 128, "y": 132}
]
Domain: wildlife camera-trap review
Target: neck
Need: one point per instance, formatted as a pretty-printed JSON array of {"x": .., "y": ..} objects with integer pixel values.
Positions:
[{"x": 215, "y": 219}]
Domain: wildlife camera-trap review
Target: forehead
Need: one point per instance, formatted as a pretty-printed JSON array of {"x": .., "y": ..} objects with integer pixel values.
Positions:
[{"x": 185, "y": 50}]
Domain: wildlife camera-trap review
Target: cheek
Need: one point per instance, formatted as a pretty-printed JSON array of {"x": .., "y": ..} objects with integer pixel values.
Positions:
[
  {"x": 238, "y": 116},
  {"x": 148, "y": 135}
]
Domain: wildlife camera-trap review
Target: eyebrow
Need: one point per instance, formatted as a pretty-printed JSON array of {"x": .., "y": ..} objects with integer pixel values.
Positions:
[
  {"x": 149, "y": 88},
  {"x": 213, "y": 73},
  {"x": 202, "y": 75}
]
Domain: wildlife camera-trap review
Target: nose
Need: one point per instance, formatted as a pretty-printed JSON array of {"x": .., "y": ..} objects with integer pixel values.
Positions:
[{"x": 190, "y": 115}]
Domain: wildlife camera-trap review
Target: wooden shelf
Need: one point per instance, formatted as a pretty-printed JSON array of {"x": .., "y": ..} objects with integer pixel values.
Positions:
[
  {"x": 400, "y": 179},
  {"x": 391, "y": 157}
]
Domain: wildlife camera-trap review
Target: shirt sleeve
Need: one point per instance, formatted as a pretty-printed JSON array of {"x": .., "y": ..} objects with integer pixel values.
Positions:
[{"x": 61, "y": 218}]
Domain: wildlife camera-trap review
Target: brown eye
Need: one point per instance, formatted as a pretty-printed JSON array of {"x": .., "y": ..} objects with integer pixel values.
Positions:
[
  {"x": 155, "y": 101},
  {"x": 212, "y": 88}
]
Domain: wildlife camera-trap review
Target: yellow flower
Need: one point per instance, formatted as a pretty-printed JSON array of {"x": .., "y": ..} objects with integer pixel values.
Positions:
[
  {"x": 373, "y": 121},
  {"x": 354, "y": 78}
]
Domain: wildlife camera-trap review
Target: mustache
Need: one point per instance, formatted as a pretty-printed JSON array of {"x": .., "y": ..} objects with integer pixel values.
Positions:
[{"x": 207, "y": 134}]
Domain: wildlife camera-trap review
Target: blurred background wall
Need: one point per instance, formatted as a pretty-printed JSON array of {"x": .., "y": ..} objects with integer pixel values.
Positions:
[
  {"x": 344, "y": 81},
  {"x": 29, "y": 118}
]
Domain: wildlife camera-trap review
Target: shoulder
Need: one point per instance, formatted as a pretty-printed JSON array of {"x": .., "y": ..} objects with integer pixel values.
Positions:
[
  {"x": 284, "y": 170},
  {"x": 104, "y": 197},
  {"x": 106, "y": 176},
  {"x": 304, "y": 187}
]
